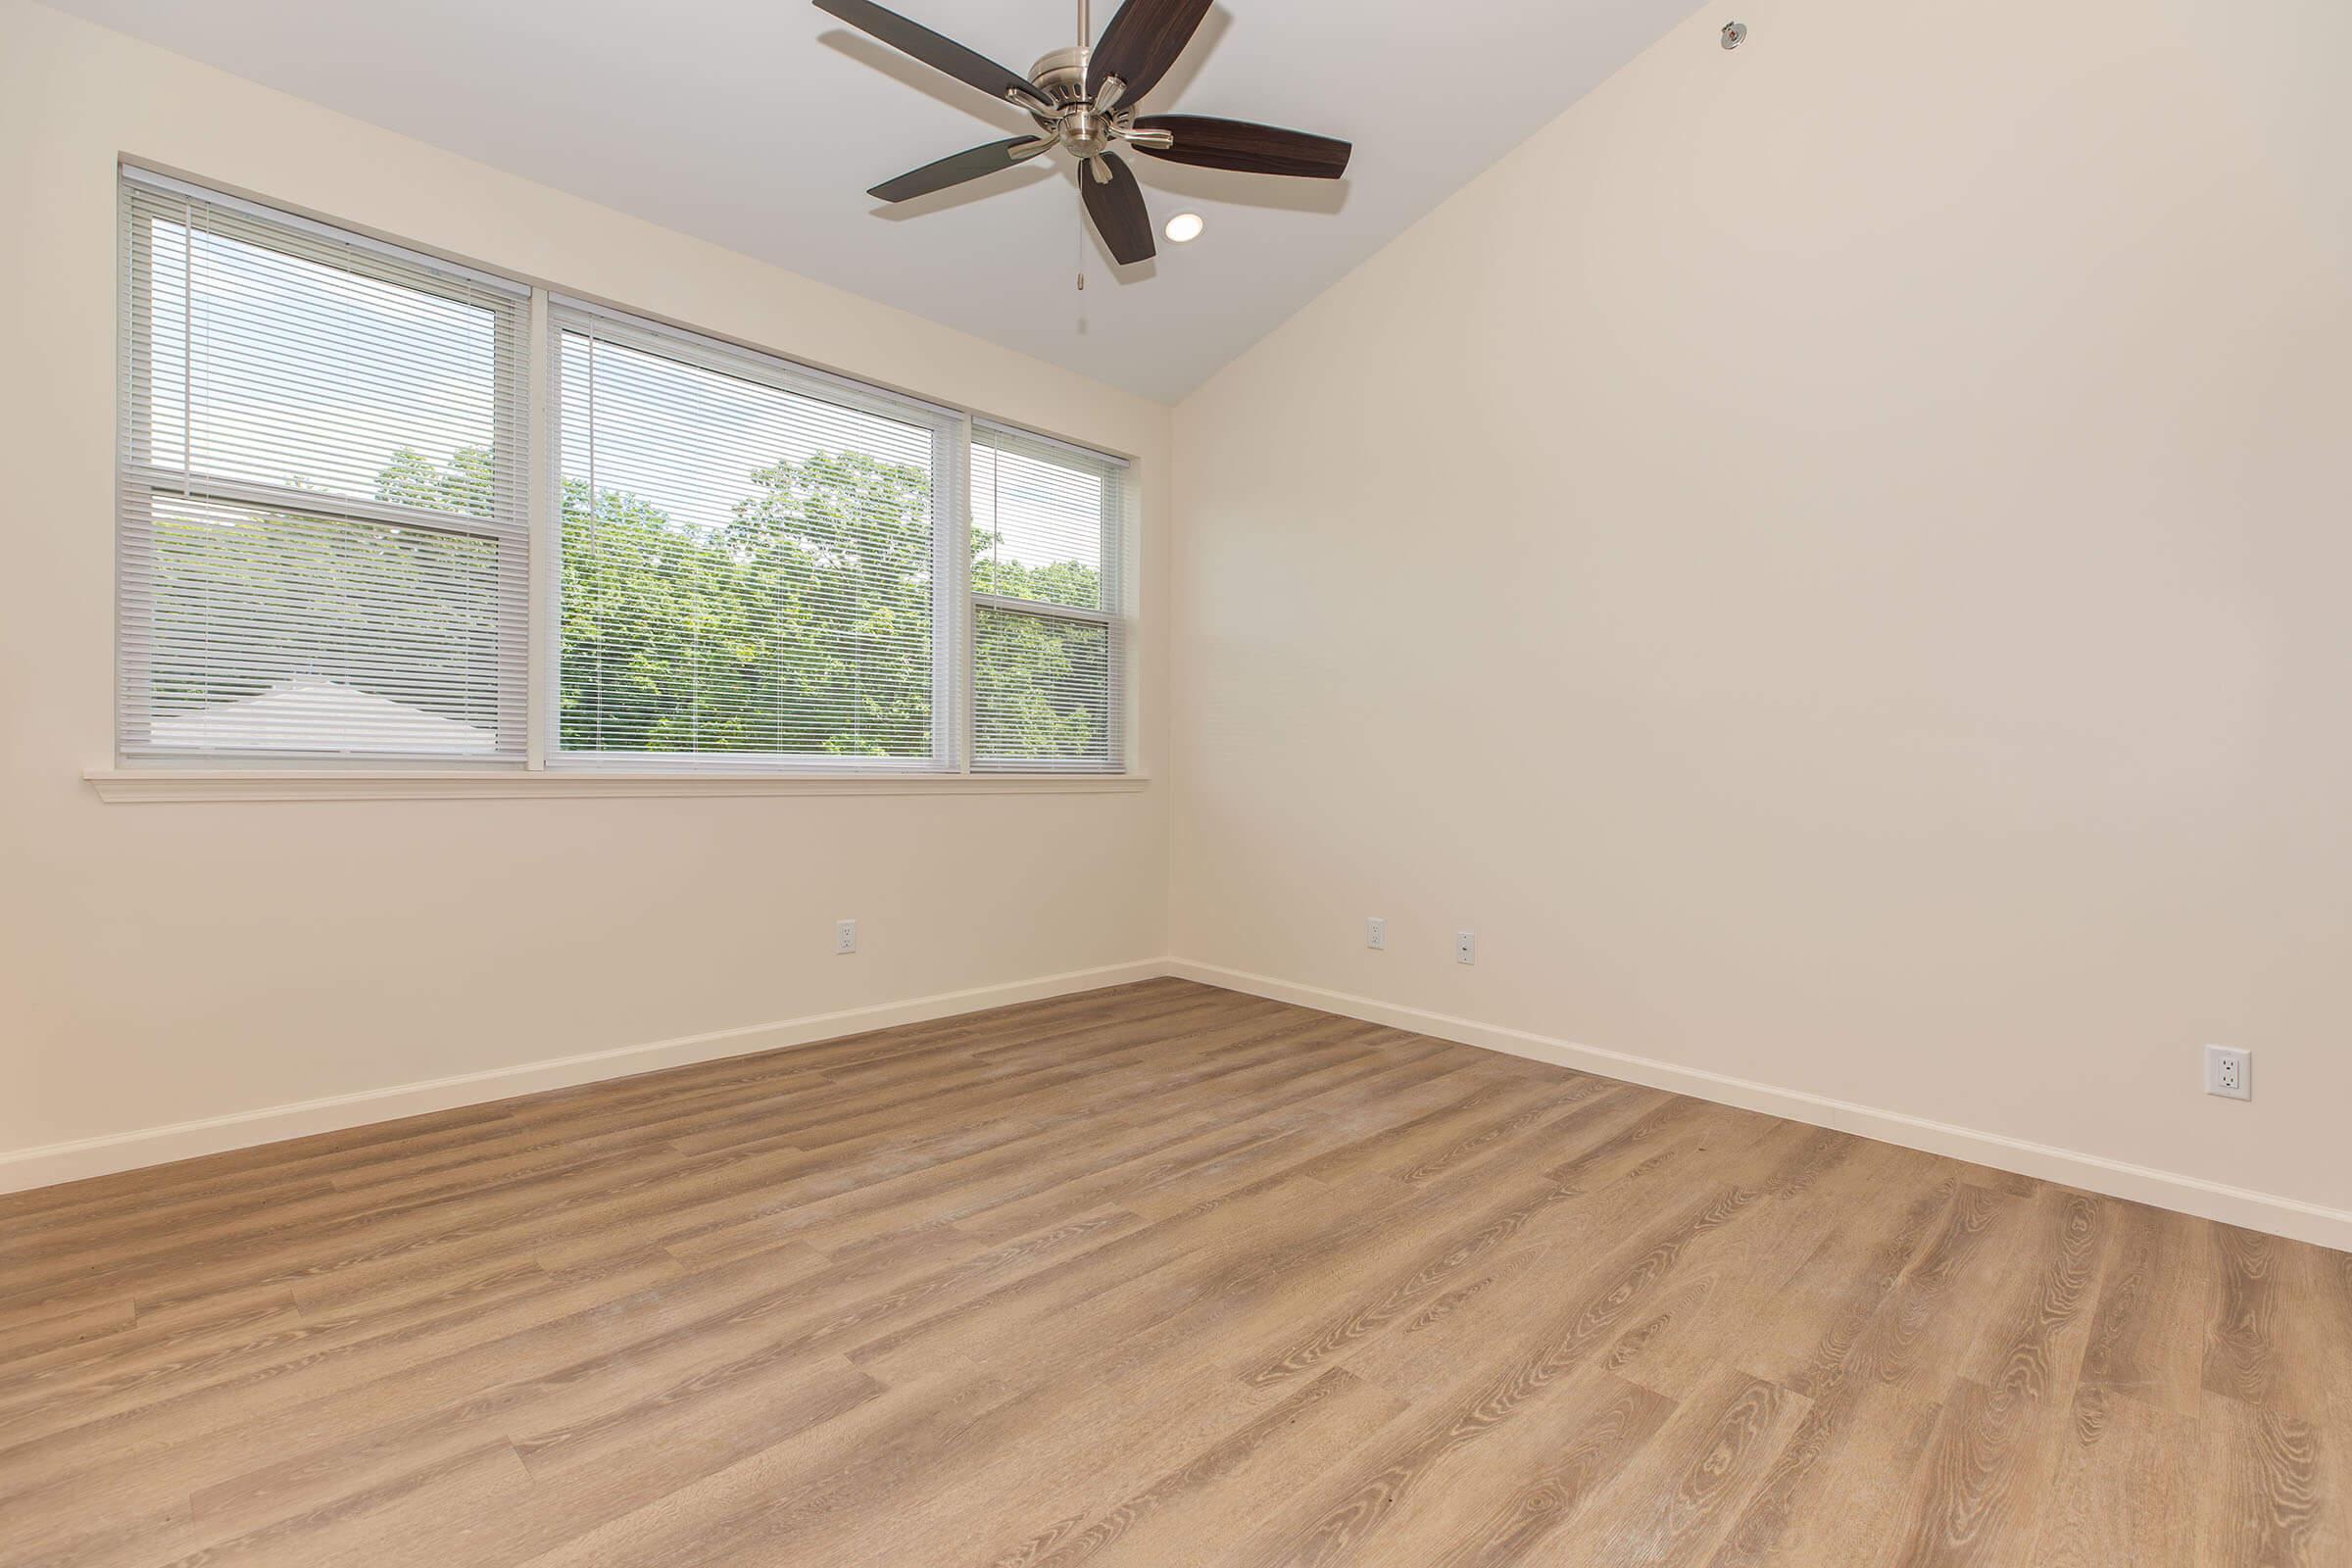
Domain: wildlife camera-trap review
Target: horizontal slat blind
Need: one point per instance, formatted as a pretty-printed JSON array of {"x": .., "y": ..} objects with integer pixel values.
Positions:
[
  {"x": 750, "y": 565},
  {"x": 321, "y": 526},
  {"x": 1048, "y": 633}
]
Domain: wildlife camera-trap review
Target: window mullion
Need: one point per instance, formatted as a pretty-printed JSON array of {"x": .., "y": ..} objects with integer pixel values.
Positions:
[
  {"x": 955, "y": 528},
  {"x": 543, "y": 517}
]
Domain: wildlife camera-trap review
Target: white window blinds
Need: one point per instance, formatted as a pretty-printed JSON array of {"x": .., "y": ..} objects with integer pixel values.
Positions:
[
  {"x": 751, "y": 568},
  {"x": 1048, "y": 633},
  {"x": 321, "y": 533}
]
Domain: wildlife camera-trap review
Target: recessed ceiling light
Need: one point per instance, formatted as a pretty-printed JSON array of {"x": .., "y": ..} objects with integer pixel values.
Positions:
[{"x": 1185, "y": 227}]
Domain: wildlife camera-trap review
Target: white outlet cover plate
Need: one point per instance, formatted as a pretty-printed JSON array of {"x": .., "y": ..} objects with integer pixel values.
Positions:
[{"x": 2219, "y": 1059}]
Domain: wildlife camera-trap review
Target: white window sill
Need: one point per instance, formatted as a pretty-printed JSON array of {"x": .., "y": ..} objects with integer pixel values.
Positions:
[{"x": 133, "y": 785}]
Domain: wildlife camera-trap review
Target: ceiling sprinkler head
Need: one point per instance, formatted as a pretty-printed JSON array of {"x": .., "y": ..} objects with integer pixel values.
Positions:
[{"x": 1734, "y": 34}]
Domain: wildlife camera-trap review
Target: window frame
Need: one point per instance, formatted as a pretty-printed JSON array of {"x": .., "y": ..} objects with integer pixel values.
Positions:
[
  {"x": 139, "y": 479},
  {"x": 527, "y": 527},
  {"x": 951, "y": 463},
  {"x": 1111, "y": 613}
]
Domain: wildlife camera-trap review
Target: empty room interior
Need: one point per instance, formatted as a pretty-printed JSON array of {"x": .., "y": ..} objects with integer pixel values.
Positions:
[{"x": 1176, "y": 782}]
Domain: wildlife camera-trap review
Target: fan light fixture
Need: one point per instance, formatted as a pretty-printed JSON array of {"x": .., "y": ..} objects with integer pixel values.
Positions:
[{"x": 1183, "y": 228}]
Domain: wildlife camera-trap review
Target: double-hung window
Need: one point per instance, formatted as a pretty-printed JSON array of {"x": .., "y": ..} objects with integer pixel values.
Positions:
[
  {"x": 1048, "y": 638},
  {"x": 335, "y": 483},
  {"x": 322, "y": 545}
]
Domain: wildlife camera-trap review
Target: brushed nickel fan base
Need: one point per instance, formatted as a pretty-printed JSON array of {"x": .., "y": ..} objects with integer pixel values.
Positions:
[{"x": 1086, "y": 125}]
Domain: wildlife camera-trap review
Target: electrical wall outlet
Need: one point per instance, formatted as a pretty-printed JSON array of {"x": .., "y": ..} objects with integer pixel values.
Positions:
[
  {"x": 845, "y": 936},
  {"x": 1376, "y": 932},
  {"x": 1465, "y": 947},
  {"x": 2228, "y": 1073}
]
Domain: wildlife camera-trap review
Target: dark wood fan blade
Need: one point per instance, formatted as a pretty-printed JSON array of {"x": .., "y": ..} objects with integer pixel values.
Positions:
[
  {"x": 1119, "y": 211},
  {"x": 958, "y": 168},
  {"x": 1253, "y": 149},
  {"x": 933, "y": 50},
  {"x": 1141, "y": 42}
]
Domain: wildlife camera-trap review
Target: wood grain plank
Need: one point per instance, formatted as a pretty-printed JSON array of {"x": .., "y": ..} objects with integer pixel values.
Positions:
[
  {"x": 2125, "y": 1486},
  {"x": 1980, "y": 1494},
  {"x": 2147, "y": 1334},
  {"x": 1679, "y": 1498}
]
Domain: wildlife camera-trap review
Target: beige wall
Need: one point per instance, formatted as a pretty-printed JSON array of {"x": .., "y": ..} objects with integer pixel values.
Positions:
[
  {"x": 1832, "y": 560},
  {"x": 166, "y": 964}
]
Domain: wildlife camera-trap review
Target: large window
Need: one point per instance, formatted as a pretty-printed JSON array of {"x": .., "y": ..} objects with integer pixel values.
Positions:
[
  {"x": 750, "y": 558},
  {"x": 322, "y": 532},
  {"x": 329, "y": 518}
]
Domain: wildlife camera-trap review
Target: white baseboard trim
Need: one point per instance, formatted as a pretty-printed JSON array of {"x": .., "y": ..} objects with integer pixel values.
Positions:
[
  {"x": 2189, "y": 1195},
  {"x": 51, "y": 1163}
]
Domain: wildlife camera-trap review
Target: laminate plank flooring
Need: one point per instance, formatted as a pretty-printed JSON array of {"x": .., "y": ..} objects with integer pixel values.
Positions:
[{"x": 1154, "y": 1275}]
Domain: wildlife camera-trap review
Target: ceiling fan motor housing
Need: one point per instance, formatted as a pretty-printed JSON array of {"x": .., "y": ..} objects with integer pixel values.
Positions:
[
  {"x": 1081, "y": 128},
  {"x": 1060, "y": 76}
]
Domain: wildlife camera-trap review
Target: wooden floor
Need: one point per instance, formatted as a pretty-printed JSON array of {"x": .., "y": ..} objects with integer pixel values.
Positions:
[{"x": 1161, "y": 1275}]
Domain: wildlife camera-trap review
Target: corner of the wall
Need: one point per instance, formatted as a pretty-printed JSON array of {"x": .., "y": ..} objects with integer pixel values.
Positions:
[{"x": 2188, "y": 1195}]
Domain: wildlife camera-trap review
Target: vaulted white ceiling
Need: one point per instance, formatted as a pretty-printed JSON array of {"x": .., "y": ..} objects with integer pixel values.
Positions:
[{"x": 759, "y": 123}]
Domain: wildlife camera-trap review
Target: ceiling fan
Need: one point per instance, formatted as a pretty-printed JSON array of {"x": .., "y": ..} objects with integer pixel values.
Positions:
[{"x": 1083, "y": 100}]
